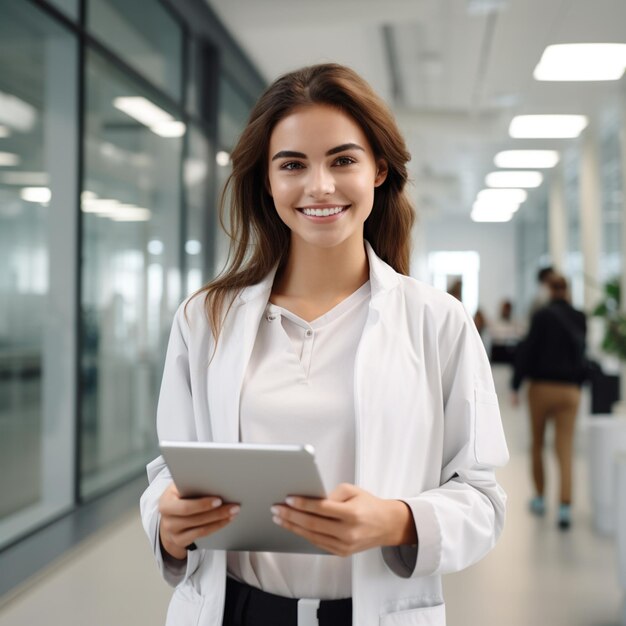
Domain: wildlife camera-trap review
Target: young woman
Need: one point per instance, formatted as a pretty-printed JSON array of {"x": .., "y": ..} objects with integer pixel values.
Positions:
[{"x": 315, "y": 334}]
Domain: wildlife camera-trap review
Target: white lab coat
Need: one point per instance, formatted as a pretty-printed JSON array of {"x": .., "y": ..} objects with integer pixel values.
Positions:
[{"x": 428, "y": 431}]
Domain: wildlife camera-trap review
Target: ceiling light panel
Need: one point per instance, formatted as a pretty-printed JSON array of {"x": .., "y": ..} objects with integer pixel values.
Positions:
[
  {"x": 41, "y": 195},
  {"x": 547, "y": 126},
  {"x": 582, "y": 62},
  {"x": 485, "y": 214},
  {"x": 502, "y": 196},
  {"x": 8, "y": 159},
  {"x": 521, "y": 179},
  {"x": 540, "y": 159}
]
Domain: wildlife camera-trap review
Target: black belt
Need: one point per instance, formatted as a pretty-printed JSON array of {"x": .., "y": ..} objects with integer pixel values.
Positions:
[{"x": 249, "y": 606}]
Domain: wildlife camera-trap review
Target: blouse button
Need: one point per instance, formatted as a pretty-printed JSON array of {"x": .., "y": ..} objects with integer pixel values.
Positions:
[
  {"x": 271, "y": 317},
  {"x": 309, "y": 332}
]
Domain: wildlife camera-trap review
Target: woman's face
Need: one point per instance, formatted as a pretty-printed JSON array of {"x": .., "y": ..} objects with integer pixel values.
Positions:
[{"x": 322, "y": 174}]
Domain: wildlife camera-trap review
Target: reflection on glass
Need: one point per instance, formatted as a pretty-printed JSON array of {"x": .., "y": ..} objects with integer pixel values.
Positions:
[
  {"x": 233, "y": 113},
  {"x": 573, "y": 266},
  {"x": 612, "y": 201},
  {"x": 130, "y": 274},
  {"x": 200, "y": 211},
  {"x": 35, "y": 436},
  {"x": 145, "y": 35},
  {"x": 69, "y": 7}
]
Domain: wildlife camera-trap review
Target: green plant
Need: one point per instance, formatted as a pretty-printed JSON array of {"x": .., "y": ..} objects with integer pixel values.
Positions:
[{"x": 608, "y": 308}]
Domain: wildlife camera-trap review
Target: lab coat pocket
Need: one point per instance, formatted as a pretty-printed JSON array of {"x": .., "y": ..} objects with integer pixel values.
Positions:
[
  {"x": 185, "y": 606},
  {"x": 489, "y": 443},
  {"x": 425, "y": 616}
]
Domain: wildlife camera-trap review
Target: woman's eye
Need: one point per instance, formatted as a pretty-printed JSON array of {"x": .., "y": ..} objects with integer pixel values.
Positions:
[
  {"x": 344, "y": 160},
  {"x": 291, "y": 165}
]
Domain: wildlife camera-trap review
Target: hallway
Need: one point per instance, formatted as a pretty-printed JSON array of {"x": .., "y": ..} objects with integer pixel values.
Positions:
[{"x": 537, "y": 575}]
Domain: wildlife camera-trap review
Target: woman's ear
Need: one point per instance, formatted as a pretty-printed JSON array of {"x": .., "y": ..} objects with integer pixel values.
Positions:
[{"x": 382, "y": 169}]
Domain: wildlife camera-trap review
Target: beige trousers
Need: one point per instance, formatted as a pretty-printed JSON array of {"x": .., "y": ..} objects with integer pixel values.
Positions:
[{"x": 560, "y": 402}]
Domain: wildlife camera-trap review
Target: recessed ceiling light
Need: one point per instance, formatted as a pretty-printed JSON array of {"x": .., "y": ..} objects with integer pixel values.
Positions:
[
  {"x": 547, "y": 126},
  {"x": 514, "y": 179},
  {"x": 142, "y": 110},
  {"x": 490, "y": 214},
  {"x": 16, "y": 113},
  {"x": 193, "y": 246},
  {"x": 155, "y": 247},
  {"x": 149, "y": 114},
  {"x": 41, "y": 195},
  {"x": 172, "y": 128},
  {"x": 527, "y": 158},
  {"x": 582, "y": 62},
  {"x": 502, "y": 196},
  {"x": 222, "y": 158},
  {"x": 7, "y": 159}
]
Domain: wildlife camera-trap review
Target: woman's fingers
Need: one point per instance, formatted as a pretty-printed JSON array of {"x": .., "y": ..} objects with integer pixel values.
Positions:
[
  {"x": 172, "y": 504},
  {"x": 315, "y": 523},
  {"x": 183, "y": 520},
  {"x": 180, "y": 523},
  {"x": 327, "y": 542},
  {"x": 188, "y": 536}
]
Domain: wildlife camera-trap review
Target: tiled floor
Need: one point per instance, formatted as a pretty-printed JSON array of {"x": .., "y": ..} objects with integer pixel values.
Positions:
[{"x": 536, "y": 576}]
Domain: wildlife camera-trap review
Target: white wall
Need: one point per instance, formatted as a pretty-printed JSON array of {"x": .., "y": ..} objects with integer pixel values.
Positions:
[{"x": 495, "y": 243}]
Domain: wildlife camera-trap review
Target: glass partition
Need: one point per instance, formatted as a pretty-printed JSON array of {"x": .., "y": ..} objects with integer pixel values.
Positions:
[
  {"x": 69, "y": 7},
  {"x": 131, "y": 283},
  {"x": 200, "y": 212},
  {"x": 145, "y": 35},
  {"x": 612, "y": 193},
  {"x": 38, "y": 191}
]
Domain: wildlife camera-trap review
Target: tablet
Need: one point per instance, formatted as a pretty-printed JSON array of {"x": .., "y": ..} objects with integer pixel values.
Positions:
[{"x": 254, "y": 476}]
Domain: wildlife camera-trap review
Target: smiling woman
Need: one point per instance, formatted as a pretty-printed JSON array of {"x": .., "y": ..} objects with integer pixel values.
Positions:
[
  {"x": 315, "y": 335},
  {"x": 324, "y": 195}
]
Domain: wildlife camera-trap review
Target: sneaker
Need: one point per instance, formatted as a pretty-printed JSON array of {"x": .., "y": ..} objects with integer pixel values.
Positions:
[
  {"x": 537, "y": 506},
  {"x": 565, "y": 516}
]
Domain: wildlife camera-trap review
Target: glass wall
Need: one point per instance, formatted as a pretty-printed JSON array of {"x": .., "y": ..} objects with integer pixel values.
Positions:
[
  {"x": 201, "y": 218},
  {"x": 38, "y": 81},
  {"x": 109, "y": 118},
  {"x": 145, "y": 35},
  {"x": 612, "y": 199},
  {"x": 131, "y": 212},
  {"x": 234, "y": 108},
  {"x": 532, "y": 245},
  {"x": 573, "y": 268}
]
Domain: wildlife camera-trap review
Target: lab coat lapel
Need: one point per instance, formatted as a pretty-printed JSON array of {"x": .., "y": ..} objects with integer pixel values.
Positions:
[{"x": 228, "y": 368}]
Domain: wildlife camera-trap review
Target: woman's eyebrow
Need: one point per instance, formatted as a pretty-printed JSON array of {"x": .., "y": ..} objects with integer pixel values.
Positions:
[
  {"x": 291, "y": 154},
  {"x": 343, "y": 147}
]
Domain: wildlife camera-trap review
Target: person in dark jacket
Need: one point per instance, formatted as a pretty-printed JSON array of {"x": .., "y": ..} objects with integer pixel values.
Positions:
[{"x": 552, "y": 358}]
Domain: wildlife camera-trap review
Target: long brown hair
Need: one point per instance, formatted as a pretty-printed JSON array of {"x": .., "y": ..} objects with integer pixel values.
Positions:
[{"x": 259, "y": 238}]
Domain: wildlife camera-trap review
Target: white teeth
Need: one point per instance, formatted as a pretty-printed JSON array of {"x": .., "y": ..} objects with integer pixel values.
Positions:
[{"x": 322, "y": 212}]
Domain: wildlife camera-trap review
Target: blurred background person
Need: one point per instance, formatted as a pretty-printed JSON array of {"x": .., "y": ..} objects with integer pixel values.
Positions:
[
  {"x": 482, "y": 326},
  {"x": 552, "y": 357},
  {"x": 505, "y": 333},
  {"x": 542, "y": 296}
]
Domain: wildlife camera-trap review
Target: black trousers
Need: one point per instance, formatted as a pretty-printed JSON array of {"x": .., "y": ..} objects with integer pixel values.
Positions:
[{"x": 248, "y": 606}]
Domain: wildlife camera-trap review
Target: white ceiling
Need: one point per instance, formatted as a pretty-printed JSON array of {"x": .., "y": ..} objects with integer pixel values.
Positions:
[{"x": 454, "y": 74}]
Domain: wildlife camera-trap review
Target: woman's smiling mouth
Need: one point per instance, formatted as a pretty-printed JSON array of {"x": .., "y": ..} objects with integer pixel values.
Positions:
[{"x": 323, "y": 211}]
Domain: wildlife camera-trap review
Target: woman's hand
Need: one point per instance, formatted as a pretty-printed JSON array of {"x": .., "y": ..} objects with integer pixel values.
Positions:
[
  {"x": 183, "y": 520},
  {"x": 348, "y": 521}
]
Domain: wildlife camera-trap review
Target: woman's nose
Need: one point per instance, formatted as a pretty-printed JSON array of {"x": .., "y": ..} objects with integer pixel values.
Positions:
[{"x": 320, "y": 182}]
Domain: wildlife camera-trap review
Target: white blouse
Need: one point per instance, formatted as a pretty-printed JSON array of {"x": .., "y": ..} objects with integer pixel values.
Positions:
[{"x": 299, "y": 388}]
